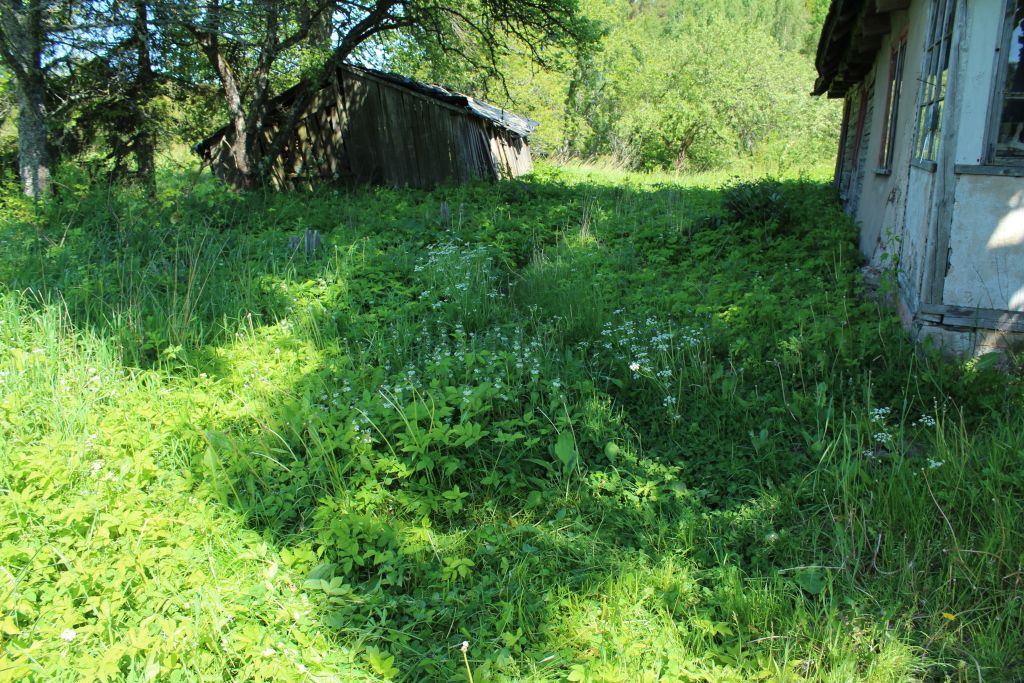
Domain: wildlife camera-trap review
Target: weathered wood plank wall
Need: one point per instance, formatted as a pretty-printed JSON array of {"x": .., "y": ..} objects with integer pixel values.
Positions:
[{"x": 360, "y": 129}]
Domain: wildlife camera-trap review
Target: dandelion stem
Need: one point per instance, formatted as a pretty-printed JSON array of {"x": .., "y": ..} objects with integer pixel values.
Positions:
[{"x": 465, "y": 659}]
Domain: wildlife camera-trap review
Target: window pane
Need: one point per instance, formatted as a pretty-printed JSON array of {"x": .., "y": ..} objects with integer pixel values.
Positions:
[
  {"x": 924, "y": 136},
  {"x": 934, "y": 32},
  {"x": 1010, "y": 142},
  {"x": 933, "y": 152},
  {"x": 948, "y": 30},
  {"x": 934, "y": 79},
  {"x": 892, "y": 104}
]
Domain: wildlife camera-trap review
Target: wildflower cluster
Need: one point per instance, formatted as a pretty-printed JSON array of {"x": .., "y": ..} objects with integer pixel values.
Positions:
[
  {"x": 442, "y": 367},
  {"x": 880, "y": 415},
  {"x": 506, "y": 359},
  {"x": 925, "y": 421},
  {"x": 884, "y": 436},
  {"x": 651, "y": 350},
  {"x": 646, "y": 347},
  {"x": 362, "y": 428},
  {"x": 459, "y": 276}
]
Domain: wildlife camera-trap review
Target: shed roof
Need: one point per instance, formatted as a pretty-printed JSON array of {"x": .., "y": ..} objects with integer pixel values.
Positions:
[
  {"x": 850, "y": 39},
  {"x": 518, "y": 125}
]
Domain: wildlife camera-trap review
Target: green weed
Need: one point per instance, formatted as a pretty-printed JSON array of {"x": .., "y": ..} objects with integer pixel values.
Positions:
[{"x": 594, "y": 427}]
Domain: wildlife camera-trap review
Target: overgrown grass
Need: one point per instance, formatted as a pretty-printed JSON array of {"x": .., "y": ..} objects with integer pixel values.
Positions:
[{"x": 602, "y": 427}]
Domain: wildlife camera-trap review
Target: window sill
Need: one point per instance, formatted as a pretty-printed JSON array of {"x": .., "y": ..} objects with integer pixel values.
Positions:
[
  {"x": 883, "y": 171},
  {"x": 990, "y": 169},
  {"x": 925, "y": 165}
]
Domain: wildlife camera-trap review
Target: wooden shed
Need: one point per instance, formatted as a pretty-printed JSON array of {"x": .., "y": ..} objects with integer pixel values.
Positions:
[{"x": 367, "y": 126}]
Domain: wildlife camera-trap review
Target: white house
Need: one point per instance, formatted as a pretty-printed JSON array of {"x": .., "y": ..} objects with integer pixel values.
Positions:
[{"x": 931, "y": 156}]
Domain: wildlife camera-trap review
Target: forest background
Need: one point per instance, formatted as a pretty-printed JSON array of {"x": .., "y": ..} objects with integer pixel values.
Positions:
[{"x": 680, "y": 85}]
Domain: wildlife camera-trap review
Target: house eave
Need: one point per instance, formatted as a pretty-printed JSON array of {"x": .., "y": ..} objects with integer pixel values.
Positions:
[{"x": 850, "y": 38}]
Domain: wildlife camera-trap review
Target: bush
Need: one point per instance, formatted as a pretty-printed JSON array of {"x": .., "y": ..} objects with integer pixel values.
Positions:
[{"x": 759, "y": 202}]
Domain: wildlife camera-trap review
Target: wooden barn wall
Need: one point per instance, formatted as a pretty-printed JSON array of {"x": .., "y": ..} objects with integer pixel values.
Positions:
[
  {"x": 511, "y": 153},
  {"x": 361, "y": 130},
  {"x": 221, "y": 162}
]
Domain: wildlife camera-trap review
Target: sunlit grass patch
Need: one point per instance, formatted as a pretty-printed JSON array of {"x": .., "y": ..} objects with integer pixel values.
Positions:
[{"x": 113, "y": 563}]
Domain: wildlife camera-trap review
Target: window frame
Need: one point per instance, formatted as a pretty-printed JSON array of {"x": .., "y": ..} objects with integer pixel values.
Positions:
[
  {"x": 998, "y": 88},
  {"x": 893, "y": 93},
  {"x": 934, "y": 77}
]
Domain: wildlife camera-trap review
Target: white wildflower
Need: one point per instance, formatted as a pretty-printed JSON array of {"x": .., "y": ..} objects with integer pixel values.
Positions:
[{"x": 880, "y": 414}]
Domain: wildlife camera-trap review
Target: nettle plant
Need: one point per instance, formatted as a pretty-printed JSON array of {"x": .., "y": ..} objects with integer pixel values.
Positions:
[
  {"x": 467, "y": 417},
  {"x": 414, "y": 417}
]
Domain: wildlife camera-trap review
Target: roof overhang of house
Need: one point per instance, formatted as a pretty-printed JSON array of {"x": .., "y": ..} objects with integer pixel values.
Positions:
[{"x": 850, "y": 38}]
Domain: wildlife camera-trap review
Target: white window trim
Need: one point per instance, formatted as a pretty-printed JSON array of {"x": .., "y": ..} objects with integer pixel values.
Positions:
[
  {"x": 998, "y": 86},
  {"x": 893, "y": 95}
]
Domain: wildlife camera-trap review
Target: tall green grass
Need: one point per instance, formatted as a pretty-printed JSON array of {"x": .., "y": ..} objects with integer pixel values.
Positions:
[{"x": 602, "y": 427}]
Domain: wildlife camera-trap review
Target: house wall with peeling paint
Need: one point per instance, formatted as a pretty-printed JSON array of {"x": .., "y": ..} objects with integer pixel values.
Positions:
[
  {"x": 953, "y": 229},
  {"x": 986, "y": 249}
]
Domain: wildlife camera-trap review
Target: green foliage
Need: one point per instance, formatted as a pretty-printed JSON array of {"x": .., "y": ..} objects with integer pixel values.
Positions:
[
  {"x": 603, "y": 427},
  {"x": 758, "y": 202},
  {"x": 683, "y": 86}
]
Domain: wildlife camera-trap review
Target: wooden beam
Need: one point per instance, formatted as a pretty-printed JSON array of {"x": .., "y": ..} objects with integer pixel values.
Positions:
[
  {"x": 866, "y": 54},
  {"x": 864, "y": 48},
  {"x": 876, "y": 25},
  {"x": 891, "y": 5},
  {"x": 983, "y": 318}
]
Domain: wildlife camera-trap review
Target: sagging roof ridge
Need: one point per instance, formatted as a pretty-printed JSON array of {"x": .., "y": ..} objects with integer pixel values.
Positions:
[{"x": 514, "y": 123}]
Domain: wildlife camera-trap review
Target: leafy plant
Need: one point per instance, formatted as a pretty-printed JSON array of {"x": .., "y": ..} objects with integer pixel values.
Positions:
[{"x": 631, "y": 447}]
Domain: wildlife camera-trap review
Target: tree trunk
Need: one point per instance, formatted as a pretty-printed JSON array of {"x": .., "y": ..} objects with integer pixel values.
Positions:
[
  {"x": 33, "y": 154},
  {"x": 143, "y": 144},
  {"x": 241, "y": 141},
  {"x": 684, "y": 144},
  {"x": 250, "y": 157},
  {"x": 22, "y": 33},
  {"x": 243, "y": 155}
]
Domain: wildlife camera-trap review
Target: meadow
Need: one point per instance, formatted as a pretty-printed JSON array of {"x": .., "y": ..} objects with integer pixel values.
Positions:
[{"x": 581, "y": 426}]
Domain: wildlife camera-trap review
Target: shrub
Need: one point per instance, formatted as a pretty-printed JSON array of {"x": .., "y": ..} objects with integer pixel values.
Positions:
[{"x": 760, "y": 202}]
